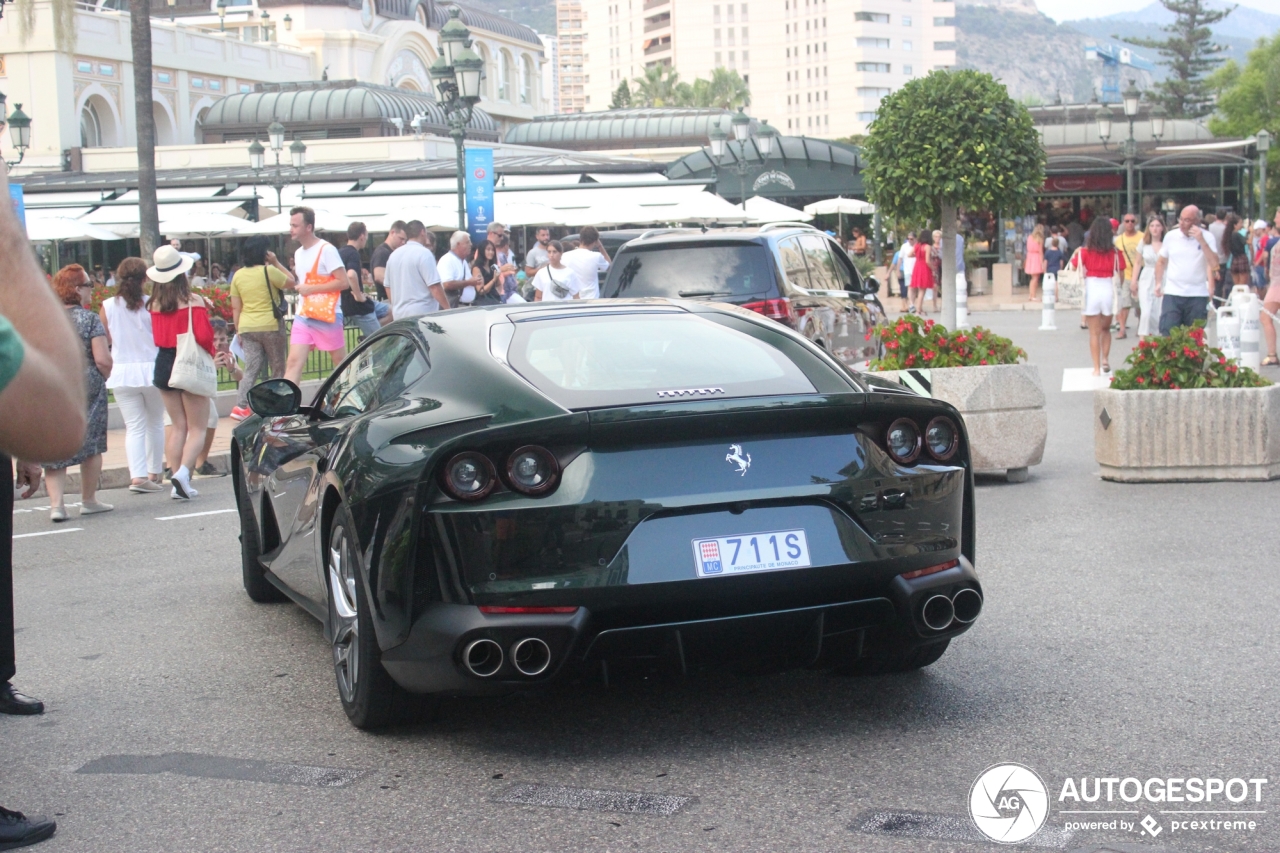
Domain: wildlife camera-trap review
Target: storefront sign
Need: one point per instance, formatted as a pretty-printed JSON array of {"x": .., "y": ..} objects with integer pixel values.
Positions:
[{"x": 1107, "y": 182}]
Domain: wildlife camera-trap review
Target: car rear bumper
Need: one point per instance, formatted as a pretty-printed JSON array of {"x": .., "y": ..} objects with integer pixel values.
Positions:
[{"x": 432, "y": 659}]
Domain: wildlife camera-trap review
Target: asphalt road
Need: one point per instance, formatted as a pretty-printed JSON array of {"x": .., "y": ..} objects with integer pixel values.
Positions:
[{"x": 1129, "y": 631}]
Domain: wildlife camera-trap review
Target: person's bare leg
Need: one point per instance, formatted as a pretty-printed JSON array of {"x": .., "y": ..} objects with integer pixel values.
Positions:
[
  {"x": 175, "y": 435},
  {"x": 1095, "y": 345},
  {"x": 1123, "y": 320},
  {"x": 1035, "y": 288},
  {"x": 55, "y": 484},
  {"x": 297, "y": 362},
  {"x": 1269, "y": 327},
  {"x": 90, "y": 473},
  {"x": 197, "y": 417},
  {"x": 1104, "y": 339},
  {"x": 203, "y": 456}
]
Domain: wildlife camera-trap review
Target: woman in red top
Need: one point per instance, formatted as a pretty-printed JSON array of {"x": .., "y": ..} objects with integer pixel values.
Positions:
[
  {"x": 171, "y": 296},
  {"x": 922, "y": 273},
  {"x": 1101, "y": 262}
]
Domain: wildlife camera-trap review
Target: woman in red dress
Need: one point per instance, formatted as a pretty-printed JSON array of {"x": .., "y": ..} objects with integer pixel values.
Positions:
[{"x": 922, "y": 274}]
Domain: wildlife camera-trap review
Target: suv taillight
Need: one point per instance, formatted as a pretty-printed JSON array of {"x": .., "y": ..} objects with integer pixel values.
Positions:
[{"x": 774, "y": 309}]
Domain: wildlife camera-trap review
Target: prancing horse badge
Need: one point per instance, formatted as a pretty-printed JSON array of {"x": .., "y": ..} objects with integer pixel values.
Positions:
[{"x": 739, "y": 458}]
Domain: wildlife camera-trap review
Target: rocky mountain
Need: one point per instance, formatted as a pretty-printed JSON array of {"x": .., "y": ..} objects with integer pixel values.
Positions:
[{"x": 1049, "y": 63}]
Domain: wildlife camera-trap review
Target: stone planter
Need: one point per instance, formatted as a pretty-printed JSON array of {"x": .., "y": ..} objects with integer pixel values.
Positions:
[
  {"x": 1195, "y": 435},
  {"x": 1003, "y": 409}
]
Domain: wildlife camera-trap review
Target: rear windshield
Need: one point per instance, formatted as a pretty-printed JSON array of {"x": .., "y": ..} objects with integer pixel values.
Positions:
[
  {"x": 630, "y": 359},
  {"x": 723, "y": 271}
]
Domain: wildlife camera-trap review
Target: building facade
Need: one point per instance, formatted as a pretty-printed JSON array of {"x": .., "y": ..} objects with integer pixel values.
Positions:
[
  {"x": 81, "y": 94},
  {"x": 814, "y": 67},
  {"x": 571, "y": 38}
]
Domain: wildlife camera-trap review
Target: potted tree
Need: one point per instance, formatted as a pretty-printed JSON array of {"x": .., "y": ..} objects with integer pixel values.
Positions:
[
  {"x": 1180, "y": 411},
  {"x": 984, "y": 376}
]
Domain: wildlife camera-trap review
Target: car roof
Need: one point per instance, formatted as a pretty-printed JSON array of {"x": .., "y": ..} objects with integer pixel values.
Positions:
[{"x": 743, "y": 234}]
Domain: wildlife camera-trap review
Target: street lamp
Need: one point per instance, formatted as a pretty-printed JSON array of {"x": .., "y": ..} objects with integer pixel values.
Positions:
[
  {"x": 457, "y": 72},
  {"x": 19, "y": 127},
  {"x": 222, "y": 16},
  {"x": 1129, "y": 147},
  {"x": 257, "y": 160},
  {"x": 288, "y": 23},
  {"x": 741, "y": 125},
  {"x": 1264, "y": 145}
]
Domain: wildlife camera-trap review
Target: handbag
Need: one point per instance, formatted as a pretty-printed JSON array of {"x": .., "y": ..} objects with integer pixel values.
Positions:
[
  {"x": 193, "y": 369},
  {"x": 319, "y": 306},
  {"x": 279, "y": 308}
]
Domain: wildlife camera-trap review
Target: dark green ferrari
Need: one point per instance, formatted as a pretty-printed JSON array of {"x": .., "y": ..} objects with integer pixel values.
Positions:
[{"x": 490, "y": 499}]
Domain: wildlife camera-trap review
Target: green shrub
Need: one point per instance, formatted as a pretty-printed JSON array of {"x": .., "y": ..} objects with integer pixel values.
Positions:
[
  {"x": 1181, "y": 360},
  {"x": 913, "y": 341}
]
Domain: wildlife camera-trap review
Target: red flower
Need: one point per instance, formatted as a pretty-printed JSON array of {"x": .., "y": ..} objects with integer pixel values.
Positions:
[
  {"x": 1231, "y": 368},
  {"x": 984, "y": 361},
  {"x": 1222, "y": 359},
  {"x": 977, "y": 335},
  {"x": 1141, "y": 381},
  {"x": 911, "y": 360}
]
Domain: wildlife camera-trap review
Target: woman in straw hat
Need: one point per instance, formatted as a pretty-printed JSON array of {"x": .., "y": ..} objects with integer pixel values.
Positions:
[{"x": 171, "y": 296}]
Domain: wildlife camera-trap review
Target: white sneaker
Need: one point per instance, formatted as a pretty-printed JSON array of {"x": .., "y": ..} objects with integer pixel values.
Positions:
[{"x": 182, "y": 487}]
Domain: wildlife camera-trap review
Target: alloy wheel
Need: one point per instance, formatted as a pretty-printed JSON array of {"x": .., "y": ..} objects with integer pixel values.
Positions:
[{"x": 345, "y": 615}]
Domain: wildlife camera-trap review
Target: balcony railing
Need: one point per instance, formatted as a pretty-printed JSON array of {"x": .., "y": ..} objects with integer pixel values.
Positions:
[{"x": 657, "y": 23}]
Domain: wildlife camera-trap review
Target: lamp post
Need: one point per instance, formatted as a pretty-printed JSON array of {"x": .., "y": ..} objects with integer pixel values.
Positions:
[
  {"x": 257, "y": 158},
  {"x": 19, "y": 127},
  {"x": 222, "y": 16},
  {"x": 1264, "y": 145},
  {"x": 741, "y": 124},
  {"x": 1132, "y": 98},
  {"x": 457, "y": 74}
]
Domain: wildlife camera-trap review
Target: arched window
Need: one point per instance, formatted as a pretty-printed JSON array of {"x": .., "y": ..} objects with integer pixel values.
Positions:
[
  {"x": 199, "y": 128},
  {"x": 420, "y": 15},
  {"x": 90, "y": 127},
  {"x": 505, "y": 71},
  {"x": 526, "y": 80},
  {"x": 486, "y": 75}
]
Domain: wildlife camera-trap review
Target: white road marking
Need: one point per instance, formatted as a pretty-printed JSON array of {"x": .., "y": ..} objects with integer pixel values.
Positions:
[
  {"x": 47, "y": 532},
  {"x": 193, "y": 514}
]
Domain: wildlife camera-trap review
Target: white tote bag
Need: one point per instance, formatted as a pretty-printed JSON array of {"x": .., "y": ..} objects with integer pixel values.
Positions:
[{"x": 193, "y": 369}]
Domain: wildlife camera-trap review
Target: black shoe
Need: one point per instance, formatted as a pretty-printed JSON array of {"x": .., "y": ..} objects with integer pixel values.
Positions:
[
  {"x": 18, "y": 830},
  {"x": 13, "y": 702},
  {"x": 207, "y": 470}
]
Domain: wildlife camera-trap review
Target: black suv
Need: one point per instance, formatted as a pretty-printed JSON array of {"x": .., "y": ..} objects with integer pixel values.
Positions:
[{"x": 792, "y": 273}]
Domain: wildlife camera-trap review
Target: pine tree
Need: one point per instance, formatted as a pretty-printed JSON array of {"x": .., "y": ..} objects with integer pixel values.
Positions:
[
  {"x": 1190, "y": 55},
  {"x": 621, "y": 97}
]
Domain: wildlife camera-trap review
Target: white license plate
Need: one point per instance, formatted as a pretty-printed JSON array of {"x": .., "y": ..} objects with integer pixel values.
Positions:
[{"x": 751, "y": 552}]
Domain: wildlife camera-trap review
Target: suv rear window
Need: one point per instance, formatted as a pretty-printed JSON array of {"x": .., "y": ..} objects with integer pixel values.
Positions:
[
  {"x": 634, "y": 359},
  {"x": 724, "y": 271}
]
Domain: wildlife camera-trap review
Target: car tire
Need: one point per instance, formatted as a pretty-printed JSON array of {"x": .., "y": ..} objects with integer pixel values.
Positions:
[
  {"x": 369, "y": 696},
  {"x": 888, "y": 661},
  {"x": 256, "y": 584}
]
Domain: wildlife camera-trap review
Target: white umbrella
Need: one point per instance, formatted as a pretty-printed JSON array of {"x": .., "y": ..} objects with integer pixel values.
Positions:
[
  {"x": 204, "y": 225},
  {"x": 698, "y": 207},
  {"x": 516, "y": 213},
  {"x": 279, "y": 224},
  {"x": 767, "y": 210},
  {"x": 62, "y": 228},
  {"x": 840, "y": 204}
]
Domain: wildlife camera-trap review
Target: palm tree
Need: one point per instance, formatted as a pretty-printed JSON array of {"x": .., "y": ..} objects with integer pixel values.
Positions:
[
  {"x": 728, "y": 90},
  {"x": 148, "y": 211},
  {"x": 657, "y": 88}
]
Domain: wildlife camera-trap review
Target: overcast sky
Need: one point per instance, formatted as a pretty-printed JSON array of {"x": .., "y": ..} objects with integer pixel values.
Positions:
[{"x": 1066, "y": 10}]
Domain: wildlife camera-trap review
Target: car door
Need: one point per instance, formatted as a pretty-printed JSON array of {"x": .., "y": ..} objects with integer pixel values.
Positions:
[
  {"x": 833, "y": 316},
  {"x": 295, "y": 492},
  {"x": 793, "y": 265}
]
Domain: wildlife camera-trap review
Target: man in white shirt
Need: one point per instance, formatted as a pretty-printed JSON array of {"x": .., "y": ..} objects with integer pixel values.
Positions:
[
  {"x": 320, "y": 270},
  {"x": 1188, "y": 260},
  {"x": 411, "y": 279},
  {"x": 536, "y": 258},
  {"x": 455, "y": 271},
  {"x": 588, "y": 261}
]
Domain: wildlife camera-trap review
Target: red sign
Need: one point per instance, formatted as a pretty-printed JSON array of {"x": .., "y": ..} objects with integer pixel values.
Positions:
[
  {"x": 1107, "y": 182},
  {"x": 479, "y": 174}
]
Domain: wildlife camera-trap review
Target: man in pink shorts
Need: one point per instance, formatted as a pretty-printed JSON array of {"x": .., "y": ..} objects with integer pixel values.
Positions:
[{"x": 320, "y": 271}]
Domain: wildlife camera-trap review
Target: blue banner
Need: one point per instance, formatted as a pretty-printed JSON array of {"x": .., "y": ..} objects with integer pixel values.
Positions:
[
  {"x": 19, "y": 203},
  {"x": 479, "y": 164}
]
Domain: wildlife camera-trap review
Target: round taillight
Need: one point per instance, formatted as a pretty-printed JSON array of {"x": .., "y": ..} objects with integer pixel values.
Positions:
[
  {"x": 469, "y": 476},
  {"x": 941, "y": 438},
  {"x": 902, "y": 440},
  {"x": 533, "y": 470}
]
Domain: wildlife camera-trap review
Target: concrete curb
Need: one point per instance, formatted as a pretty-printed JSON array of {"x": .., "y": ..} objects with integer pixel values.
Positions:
[{"x": 118, "y": 478}]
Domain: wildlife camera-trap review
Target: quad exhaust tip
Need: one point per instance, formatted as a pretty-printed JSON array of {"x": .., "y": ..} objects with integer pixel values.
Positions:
[
  {"x": 937, "y": 613},
  {"x": 967, "y": 604},
  {"x": 530, "y": 656},
  {"x": 482, "y": 658}
]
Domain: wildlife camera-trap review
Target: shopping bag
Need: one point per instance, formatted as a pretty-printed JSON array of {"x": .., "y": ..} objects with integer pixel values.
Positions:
[
  {"x": 193, "y": 369},
  {"x": 319, "y": 306}
]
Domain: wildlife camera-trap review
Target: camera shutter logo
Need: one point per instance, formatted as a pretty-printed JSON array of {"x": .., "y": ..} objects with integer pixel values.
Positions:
[{"x": 1008, "y": 803}]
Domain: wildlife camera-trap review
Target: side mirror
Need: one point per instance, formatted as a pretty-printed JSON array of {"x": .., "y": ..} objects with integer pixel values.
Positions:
[
  {"x": 871, "y": 285},
  {"x": 274, "y": 398}
]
